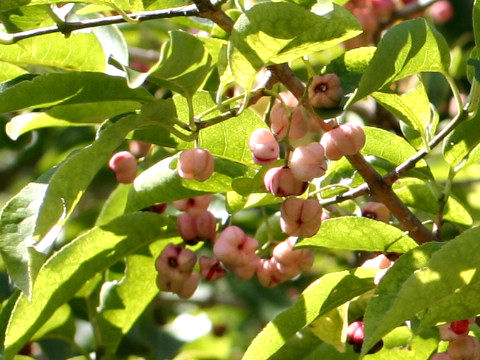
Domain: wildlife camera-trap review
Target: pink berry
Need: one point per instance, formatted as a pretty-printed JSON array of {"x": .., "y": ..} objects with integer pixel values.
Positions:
[
  {"x": 378, "y": 262},
  {"x": 235, "y": 248},
  {"x": 345, "y": 139},
  {"x": 124, "y": 165},
  {"x": 383, "y": 8},
  {"x": 281, "y": 182},
  {"x": 367, "y": 18},
  {"x": 195, "y": 206},
  {"x": 289, "y": 99},
  {"x": 441, "y": 11},
  {"x": 159, "y": 208},
  {"x": 267, "y": 275},
  {"x": 376, "y": 211},
  {"x": 211, "y": 269},
  {"x": 139, "y": 148},
  {"x": 175, "y": 258},
  {"x": 196, "y": 164},
  {"x": 193, "y": 229},
  {"x": 283, "y": 253},
  {"x": 301, "y": 217},
  {"x": 464, "y": 348},
  {"x": 247, "y": 270},
  {"x": 189, "y": 286},
  {"x": 325, "y": 91},
  {"x": 356, "y": 332},
  {"x": 279, "y": 122},
  {"x": 308, "y": 162},
  {"x": 264, "y": 147}
]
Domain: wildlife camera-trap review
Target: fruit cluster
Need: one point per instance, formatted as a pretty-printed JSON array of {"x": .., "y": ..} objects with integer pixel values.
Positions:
[
  {"x": 373, "y": 14},
  {"x": 461, "y": 346}
]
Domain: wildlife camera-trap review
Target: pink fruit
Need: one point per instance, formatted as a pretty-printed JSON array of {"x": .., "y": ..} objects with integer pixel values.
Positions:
[
  {"x": 286, "y": 255},
  {"x": 441, "y": 356},
  {"x": 281, "y": 182},
  {"x": 264, "y": 147},
  {"x": 301, "y": 217},
  {"x": 376, "y": 211},
  {"x": 175, "y": 258},
  {"x": 345, "y": 139},
  {"x": 356, "y": 332},
  {"x": 308, "y": 162},
  {"x": 211, "y": 269},
  {"x": 159, "y": 208},
  {"x": 464, "y": 348},
  {"x": 378, "y": 262},
  {"x": 441, "y": 11},
  {"x": 195, "y": 206},
  {"x": 195, "y": 164},
  {"x": 383, "y": 8},
  {"x": 267, "y": 275},
  {"x": 124, "y": 165},
  {"x": 325, "y": 91},
  {"x": 189, "y": 286},
  {"x": 139, "y": 148},
  {"x": 279, "y": 122},
  {"x": 193, "y": 229},
  {"x": 235, "y": 248}
]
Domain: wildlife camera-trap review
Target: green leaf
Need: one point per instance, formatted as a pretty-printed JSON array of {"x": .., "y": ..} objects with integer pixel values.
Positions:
[
  {"x": 68, "y": 88},
  {"x": 476, "y": 22},
  {"x": 384, "y": 313},
  {"x": 61, "y": 320},
  {"x": 126, "y": 300},
  {"x": 183, "y": 66},
  {"x": 81, "y": 52},
  {"x": 359, "y": 233},
  {"x": 161, "y": 183},
  {"x": 114, "y": 206},
  {"x": 381, "y": 142},
  {"x": 319, "y": 298},
  {"x": 86, "y": 114},
  {"x": 9, "y": 71},
  {"x": 30, "y": 221},
  {"x": 461, "y": 141},
  {"x": 68, "y": 269},
  {"x": 332, "y": 327},
  {"x": 406, "y": 49},
  {"x": 227, "y": 139},
  {"x": 420, "y": 195},
  {"x": 413, "y": 108},
  {"x": 277, "y": 32}
]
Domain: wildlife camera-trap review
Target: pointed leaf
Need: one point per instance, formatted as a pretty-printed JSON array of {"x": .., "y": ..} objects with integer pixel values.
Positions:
[
  {"x": 81, "y": 52},
  {"x": 390, "y": 308},
  {"x": 361, "y": 234},
  {"x": 127, "y": 299},
  {"x": 68, "y": 88},
  {"x": 406, "y": 49},
  {"x": 277, "y": 32},
  {"x": 36, "y": 213},
  {"x": 67, "y": 270},
  {"x": 319, "y": 298},
  {"x": 420, "y": 195}
]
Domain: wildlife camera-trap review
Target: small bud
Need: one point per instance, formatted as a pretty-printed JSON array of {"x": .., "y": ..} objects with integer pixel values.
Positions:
[
  {"x": 376, "y": 211},
  {"x": 211, "y": 269},
  {"x": 325, "y": 91},
  {"x": 264, "y": 147},
  {"x": 464, "y": 348},
  {"x": 124, "y": 165},
  {"x": 195, "y": 206},
  {"x": 308, "y": 162},
  {"x": 196, "y": 164},
  {"x": 356, "y": 332},
  {"x": 345, "y": 139},
  {"x": 301, "y": 217},
  {"x": 281, "y": 182}
]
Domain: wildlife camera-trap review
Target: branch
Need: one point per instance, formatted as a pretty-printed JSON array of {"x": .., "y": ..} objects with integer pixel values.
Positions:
[
  {"x": 378, "y": 187},
  {"x": 69, "y": 26}
]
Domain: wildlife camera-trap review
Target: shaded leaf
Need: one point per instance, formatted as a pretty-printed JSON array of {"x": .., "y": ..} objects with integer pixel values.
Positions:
[
  {"x": 319, "y": 298},
  {"x": 68, "y": 269},
  {"x": 461, "y": 141}
]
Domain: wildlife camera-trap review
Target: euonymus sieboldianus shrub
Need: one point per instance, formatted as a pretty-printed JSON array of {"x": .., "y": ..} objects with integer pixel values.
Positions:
[{"x": 239, "y": 180}]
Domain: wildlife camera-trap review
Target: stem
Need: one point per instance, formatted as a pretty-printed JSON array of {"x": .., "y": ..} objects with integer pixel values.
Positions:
[
  {"x": 191, "y": 118},
  {"x": 220, "y": 106},
  {"x": 442, "y": 202},
  {"x": 69, "y": 26}
]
